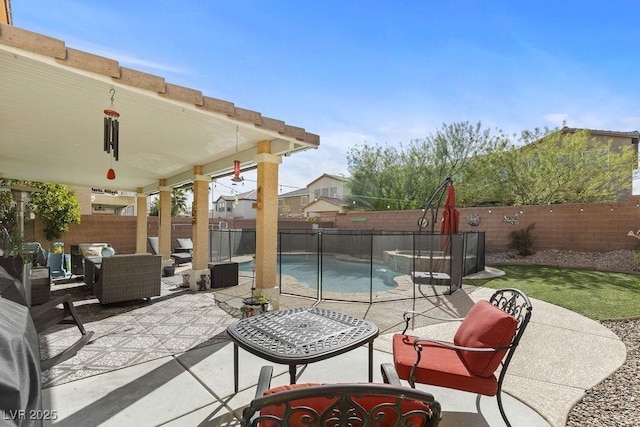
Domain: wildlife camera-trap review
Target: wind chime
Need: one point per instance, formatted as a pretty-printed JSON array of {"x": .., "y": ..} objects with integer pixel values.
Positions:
[{"x": 111, "y": 134}]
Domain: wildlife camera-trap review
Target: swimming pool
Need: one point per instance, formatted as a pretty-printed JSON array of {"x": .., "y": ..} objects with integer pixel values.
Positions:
[{"x": 337, "y": 275}]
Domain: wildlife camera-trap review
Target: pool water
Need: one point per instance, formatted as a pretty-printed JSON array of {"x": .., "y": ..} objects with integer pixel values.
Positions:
[{"x": 337, "y": 275}]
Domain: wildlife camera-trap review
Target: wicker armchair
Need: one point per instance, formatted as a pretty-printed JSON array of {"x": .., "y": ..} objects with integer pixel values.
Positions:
[{"x": 124, "y": 277}]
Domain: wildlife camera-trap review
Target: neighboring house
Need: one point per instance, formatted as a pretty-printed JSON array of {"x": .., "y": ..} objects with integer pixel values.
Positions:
[
  {"x": 328, "y": 186},
  {"x": 98, "y": 201},
  {"x": 325, "y": 206},
  {"x": 327, "y": 195},
  {"x": 291, "y": 204},
  {"x": 618, "y": 139},
  {"x": 238, "y": 206},
  {"x": 324, "y": 195}
]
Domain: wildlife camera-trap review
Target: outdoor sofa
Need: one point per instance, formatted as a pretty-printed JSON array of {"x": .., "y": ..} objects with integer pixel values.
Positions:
[{"x": 123, "y": 277}]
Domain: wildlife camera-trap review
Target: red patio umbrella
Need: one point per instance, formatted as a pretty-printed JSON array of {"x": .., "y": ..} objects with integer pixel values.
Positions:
[{"x": 450, "y": 220}]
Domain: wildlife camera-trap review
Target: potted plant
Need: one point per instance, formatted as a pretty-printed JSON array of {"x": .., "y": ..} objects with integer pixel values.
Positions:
[
  {"x": 258, "y": 302},
  {"x": 169, "y": 270}
]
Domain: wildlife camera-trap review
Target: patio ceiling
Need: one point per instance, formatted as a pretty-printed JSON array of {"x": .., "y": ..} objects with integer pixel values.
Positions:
[{"x": 51, "y": 121}]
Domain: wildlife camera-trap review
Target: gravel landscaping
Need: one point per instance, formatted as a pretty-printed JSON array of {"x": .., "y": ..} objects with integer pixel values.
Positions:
[{"x": 614, "y": 402}]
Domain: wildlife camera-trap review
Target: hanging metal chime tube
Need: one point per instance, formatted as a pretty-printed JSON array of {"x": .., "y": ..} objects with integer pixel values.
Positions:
[{"x": 111, "y": 131}]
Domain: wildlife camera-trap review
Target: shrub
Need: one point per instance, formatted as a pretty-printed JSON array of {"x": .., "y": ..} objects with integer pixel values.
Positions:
[{"x": 522, "y": 240}]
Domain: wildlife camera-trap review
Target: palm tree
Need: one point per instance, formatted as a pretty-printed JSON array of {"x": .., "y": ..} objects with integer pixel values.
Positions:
[{"x": 178, "y": 203}]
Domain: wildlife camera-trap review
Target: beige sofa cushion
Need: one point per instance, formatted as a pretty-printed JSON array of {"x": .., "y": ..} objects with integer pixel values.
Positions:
[{"x": 91, "y": 249}]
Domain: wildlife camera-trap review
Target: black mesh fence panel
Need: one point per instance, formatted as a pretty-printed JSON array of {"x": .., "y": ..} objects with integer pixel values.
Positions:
[{"x": 362, "y": 266}]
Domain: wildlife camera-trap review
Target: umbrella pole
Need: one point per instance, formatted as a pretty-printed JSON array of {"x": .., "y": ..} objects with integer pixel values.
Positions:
[{"x": 429, "y": 206}]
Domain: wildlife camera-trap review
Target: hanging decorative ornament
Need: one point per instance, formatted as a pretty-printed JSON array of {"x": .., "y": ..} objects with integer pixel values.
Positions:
[
  {"x": 236, "y": 172},
  {"x": 236, "y": 163},
  {"x": 111, "y": 134}
]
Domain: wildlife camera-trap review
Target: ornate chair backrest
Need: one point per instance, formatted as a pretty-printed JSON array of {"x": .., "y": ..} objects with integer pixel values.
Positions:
[
  {"x": 517, "y": 304},
  {"x": 362, "y": 404}
]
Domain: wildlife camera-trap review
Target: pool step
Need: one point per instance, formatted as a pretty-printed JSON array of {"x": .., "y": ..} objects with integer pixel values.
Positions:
[{"x": 428, "y": 277}]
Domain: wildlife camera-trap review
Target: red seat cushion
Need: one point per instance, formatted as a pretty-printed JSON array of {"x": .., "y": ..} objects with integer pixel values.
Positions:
[
  {"x": 319, "y": 404},
  {"x": 485, "y": 326},
  {"x": 438, "y": 366}
]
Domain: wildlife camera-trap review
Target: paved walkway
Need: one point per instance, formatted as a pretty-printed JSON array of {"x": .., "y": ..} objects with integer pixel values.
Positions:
[{"x": 561, "y": 355}]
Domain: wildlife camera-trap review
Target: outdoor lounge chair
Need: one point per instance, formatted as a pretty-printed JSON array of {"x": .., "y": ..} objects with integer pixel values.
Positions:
[
  {"x": 361, "y": 404},
  {"x": 124, "y": 277},
  {"x": 485, "y": 340},
  {"x": 178, "y": 257},
  {"x": 46, "y": 316}
]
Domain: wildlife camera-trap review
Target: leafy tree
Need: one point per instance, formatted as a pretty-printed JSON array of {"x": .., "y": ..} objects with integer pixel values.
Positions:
[
  {"x": 376, "y": 179},
  {"x": 405, "y": 177},
  {"x": 558, "y": 167},
  {"x": 178, "y": 203},
  {"x": 56, "y": 205},
  {"x": 7, "y": 212}
]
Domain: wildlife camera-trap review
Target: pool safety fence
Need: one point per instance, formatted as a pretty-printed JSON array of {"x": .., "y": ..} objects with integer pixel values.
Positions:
[{"x": 332, "y": 264}]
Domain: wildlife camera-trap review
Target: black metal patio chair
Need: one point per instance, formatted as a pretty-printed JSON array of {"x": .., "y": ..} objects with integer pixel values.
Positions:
[
  {"x": 485, "y": 341},
  {"x": 356, "y": 404}
]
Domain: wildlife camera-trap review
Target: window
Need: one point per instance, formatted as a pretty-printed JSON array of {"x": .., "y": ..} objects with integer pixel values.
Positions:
[
  {"x": 326, "y": 192},
  {"x": 221, "y": 206},
  {"x": 304, "y": 200},
  {"x": 280, "y": 203}
]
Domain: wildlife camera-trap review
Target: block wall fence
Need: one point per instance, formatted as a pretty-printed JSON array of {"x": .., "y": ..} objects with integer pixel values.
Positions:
[{"x": 595, "y": 227}]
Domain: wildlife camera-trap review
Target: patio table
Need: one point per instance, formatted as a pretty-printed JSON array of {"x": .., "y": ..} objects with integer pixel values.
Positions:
[{"x": 299, "y": 336}]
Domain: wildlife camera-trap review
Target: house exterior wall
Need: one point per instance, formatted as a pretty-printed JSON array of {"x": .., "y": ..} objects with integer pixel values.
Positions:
[
  {"x": 244, "y": 209},
  {"x": 327, "y": 182},
  {"x": 293, "y": 206},
  {"x": 322, "y": 207}
]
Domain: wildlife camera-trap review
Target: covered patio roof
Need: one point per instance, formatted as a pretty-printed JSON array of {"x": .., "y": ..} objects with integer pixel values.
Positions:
[{"x": 52, "y": 99}]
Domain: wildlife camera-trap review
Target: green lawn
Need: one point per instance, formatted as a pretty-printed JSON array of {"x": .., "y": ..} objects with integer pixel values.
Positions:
[{"x": 595, "y": 294}]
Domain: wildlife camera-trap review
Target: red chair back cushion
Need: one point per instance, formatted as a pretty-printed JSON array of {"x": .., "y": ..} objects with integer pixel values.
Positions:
[
  {"x": 319, "y": 404},
  {"x": 485, "y": 326}
]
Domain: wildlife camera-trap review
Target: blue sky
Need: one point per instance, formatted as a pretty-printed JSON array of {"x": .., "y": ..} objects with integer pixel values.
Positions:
[{"x": 380, "y": 72}]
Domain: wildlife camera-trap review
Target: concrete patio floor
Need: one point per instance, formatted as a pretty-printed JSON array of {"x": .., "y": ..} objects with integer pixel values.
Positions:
[{"x": 561, "y": 355}]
